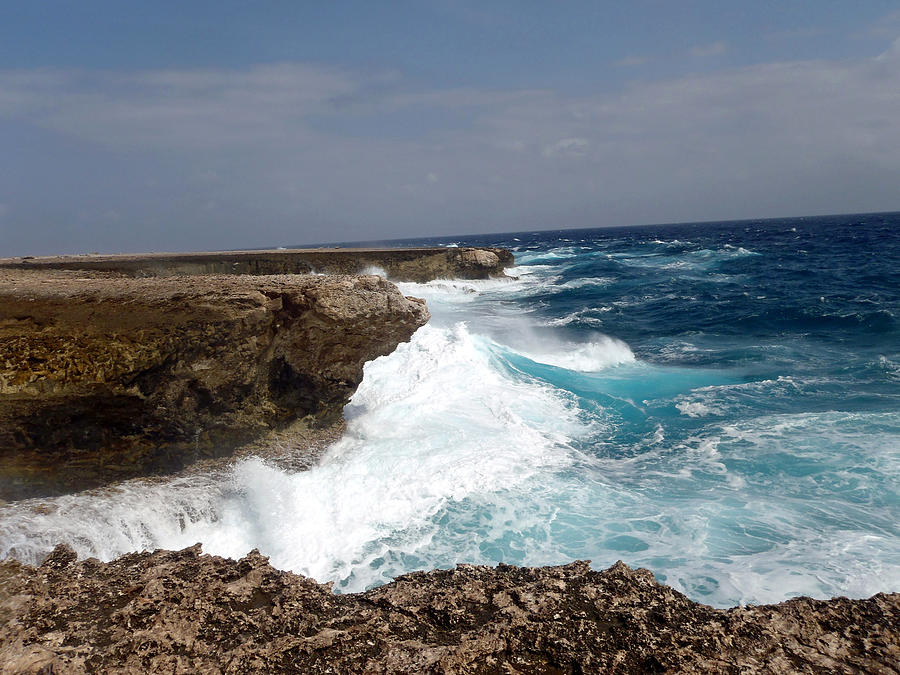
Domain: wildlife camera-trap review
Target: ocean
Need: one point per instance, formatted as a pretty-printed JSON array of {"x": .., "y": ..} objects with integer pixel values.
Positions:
[{"x": 718, "y": 402}]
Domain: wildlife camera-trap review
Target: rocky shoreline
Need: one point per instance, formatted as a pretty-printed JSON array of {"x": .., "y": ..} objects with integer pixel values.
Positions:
[
  {"x": 127, "y": 365},
  {"x": 108, "y": 378},
  {"x": 399, "y": 264},
  {"x": 184, "y": 612},
  {"x": 120, "y": 366}
]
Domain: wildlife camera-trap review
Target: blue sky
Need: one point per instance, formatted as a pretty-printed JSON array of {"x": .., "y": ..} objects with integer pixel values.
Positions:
[{"x": 199, "y": 125}]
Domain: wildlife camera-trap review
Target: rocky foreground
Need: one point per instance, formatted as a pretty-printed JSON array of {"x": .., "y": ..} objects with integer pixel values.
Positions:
[{"x": 183, "y": 612}]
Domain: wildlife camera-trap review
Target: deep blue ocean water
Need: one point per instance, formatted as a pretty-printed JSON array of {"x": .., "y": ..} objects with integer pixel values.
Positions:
[{"x": 719, "y": 403}]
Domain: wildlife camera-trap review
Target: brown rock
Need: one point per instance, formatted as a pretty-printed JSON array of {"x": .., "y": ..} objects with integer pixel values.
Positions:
[
  {"x": 187, "y": 612},
  {"x": 105, "y": 378},
  {"x": 400, "y": 264}
]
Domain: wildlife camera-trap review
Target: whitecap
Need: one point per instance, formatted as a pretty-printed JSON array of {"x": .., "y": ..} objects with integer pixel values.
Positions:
[{"x": 597, "y": 354}]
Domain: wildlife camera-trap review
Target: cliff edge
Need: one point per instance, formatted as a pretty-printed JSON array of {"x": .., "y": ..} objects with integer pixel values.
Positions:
[
  {"x": 105, "y": 378},
  {"x": 399, "y": 264},
  {"x": 183, "y": 612}
]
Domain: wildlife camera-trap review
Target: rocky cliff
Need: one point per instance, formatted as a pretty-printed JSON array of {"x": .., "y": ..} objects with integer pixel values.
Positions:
[
  {"x": 183, "y": 612},
  {"x": 400, "y": 264},
  {"x": 104, "y": 378}
]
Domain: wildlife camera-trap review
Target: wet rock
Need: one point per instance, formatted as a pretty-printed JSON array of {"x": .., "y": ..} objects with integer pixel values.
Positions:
[{"x": 187, "y": 612}]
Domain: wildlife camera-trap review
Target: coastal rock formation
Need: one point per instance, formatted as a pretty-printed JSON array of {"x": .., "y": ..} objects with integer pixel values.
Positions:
[
  {"x": 103, "y": 378},
  {"x": 187, "y": 612},
  {"x": 400, "y": 264}
]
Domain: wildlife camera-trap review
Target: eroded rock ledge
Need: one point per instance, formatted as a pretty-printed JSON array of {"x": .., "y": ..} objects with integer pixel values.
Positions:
[
  {"x": 400, "y": 264},
  {"x": 184, "y": 612},
  {"x": 104, "y": 378}
]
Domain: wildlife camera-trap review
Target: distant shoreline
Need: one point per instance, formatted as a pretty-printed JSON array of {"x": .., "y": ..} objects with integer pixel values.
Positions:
[{"x": 419, "y": 264}]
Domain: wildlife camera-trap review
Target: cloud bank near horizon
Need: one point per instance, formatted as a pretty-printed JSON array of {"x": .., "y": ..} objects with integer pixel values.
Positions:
[{"x": 295, "y": 153}]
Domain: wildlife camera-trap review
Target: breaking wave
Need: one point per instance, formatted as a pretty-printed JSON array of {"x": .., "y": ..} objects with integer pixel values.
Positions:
[{"x": 684, "y": 399}]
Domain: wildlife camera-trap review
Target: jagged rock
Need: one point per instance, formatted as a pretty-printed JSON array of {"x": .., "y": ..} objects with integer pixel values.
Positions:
[
  {"x": 186, "y": 612},
  {"x": 103, "y": 378}
]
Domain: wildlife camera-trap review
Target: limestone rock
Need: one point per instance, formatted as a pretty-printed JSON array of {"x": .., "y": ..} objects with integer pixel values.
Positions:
[
  {"x": 187, "y": 612},
  {"x": 104, "y": 378},
  {"x": 478, "y": 258},
  {"x": 400, "y": 264}
]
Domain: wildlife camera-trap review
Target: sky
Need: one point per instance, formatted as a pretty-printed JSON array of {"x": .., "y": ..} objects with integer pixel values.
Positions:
[{"x": 167, "y": 126}]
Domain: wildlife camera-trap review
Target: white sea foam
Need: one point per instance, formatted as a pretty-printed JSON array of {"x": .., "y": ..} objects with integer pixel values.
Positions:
[
  {"x": 697, "y": 408},
  {"x": 594, "y": 355},
  {"x": 672, "y": 242},
  {"x": 375, "y": 270},
  {"x": 721, "y": 398},
  {"x": 453, "y": 296},
  {"x": 598, "y": 282},
  {"x": 735, "y": 513},
  {"x": 561, "y": 253},
  {"x": 432, "y": 425},
  {"x": 701, "y": 260},
  {"x": 583, "y": 316}
]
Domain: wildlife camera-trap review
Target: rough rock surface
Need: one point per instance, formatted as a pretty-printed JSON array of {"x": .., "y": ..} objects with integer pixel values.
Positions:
[
  {"x": 400, "y": 264},
  {"x": 183, "y": 612},
  {"x": 103, "y": 378}
]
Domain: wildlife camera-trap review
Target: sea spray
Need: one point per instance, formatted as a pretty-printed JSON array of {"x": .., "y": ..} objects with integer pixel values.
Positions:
[{"x": 432, "y": 425}]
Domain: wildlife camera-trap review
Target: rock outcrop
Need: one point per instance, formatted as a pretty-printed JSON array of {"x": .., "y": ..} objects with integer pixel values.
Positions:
[
  {"x": 183, "y": 612},
  {"x": 118, "y": 366},
  {"x": 104, "y": 378},
  {"x": 400, "y": 264}
]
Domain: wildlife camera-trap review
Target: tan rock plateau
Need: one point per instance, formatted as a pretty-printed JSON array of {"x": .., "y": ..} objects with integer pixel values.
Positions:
[
  {"x": 400, "y": 264},
  {"x": 109, "y": 377}
]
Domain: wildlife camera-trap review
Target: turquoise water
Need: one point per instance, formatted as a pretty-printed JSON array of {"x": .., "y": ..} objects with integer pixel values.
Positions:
[{"x": 719, "y": 403}]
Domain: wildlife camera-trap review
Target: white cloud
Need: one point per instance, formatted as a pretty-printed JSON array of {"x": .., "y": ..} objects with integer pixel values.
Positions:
[{"x": 714, "y": 49}]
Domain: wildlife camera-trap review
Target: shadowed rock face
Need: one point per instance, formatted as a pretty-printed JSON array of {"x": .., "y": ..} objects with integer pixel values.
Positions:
[
  {"x": 106, "y": 378},
  {"x": 186, "y": 612}
]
